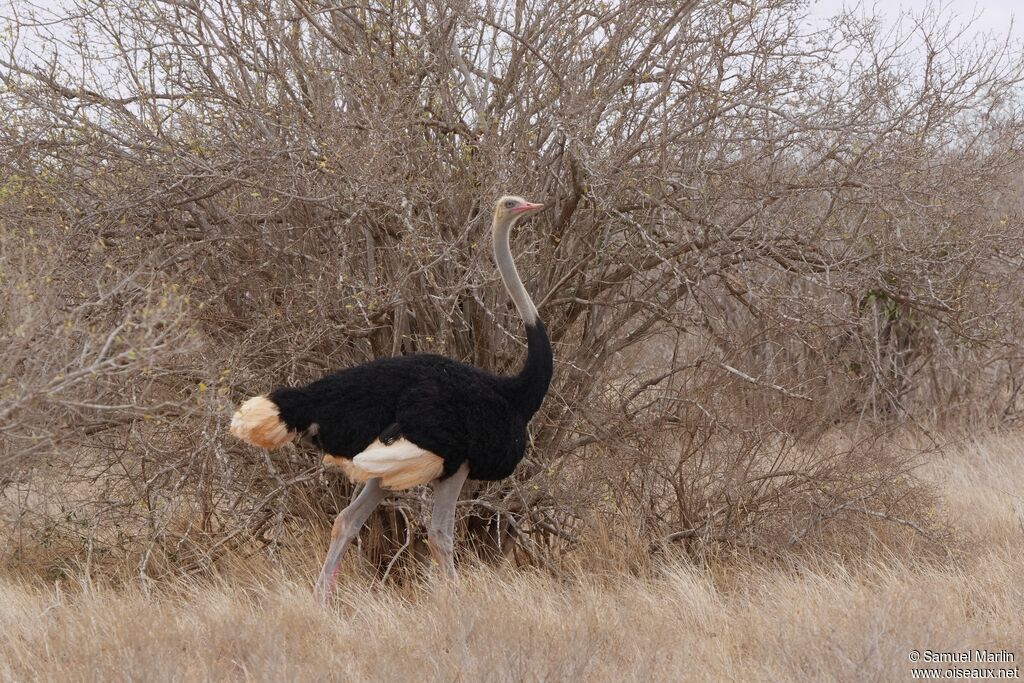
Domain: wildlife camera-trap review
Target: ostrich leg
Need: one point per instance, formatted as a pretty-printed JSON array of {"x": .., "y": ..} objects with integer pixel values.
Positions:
[
  {"x": 441, "y": 533},
  {"x": 346, "y": 528}
]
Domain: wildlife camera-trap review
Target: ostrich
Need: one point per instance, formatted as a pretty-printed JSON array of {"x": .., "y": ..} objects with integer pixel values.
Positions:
[{"x": 395, "y": 423}]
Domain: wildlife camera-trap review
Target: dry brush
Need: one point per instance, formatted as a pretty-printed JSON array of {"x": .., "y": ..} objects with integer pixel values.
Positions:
[{"x": 765, "y": 248}]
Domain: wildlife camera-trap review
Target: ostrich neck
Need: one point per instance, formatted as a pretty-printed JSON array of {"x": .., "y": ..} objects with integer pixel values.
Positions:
[{"x": 509, "y": 274}]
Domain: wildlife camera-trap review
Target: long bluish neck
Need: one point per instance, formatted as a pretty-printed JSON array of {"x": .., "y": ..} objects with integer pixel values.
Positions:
[
  {"x": 507, "y": 268},
  {"x": 530, "y": 384}
]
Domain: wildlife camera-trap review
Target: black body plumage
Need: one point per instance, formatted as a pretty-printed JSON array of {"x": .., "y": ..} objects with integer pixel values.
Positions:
[{"x": 459, "y": 412}]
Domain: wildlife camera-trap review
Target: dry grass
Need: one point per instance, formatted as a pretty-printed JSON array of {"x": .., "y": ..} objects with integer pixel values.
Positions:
[{"x": 816, "y": 620}]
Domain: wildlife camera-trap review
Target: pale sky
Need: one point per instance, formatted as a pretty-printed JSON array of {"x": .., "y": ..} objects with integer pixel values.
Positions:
[
  {"x": 992, "y": 15},
  {"x": 989, "y": 16}
]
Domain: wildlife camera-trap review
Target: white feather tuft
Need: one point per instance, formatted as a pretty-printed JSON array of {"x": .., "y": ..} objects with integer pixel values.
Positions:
[
  {"x": 399, "y": 465},
  {"x": 257, "y": 421}
]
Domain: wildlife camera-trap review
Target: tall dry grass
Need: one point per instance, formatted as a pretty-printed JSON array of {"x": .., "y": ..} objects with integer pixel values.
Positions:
[{"x": 816, "y": 618}]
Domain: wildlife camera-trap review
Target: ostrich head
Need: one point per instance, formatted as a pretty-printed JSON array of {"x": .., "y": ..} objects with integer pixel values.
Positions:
[{"x": 510, "y": 208}]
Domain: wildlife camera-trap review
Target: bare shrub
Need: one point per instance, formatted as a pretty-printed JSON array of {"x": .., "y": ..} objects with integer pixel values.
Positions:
[{"x": 764, "y": 248}]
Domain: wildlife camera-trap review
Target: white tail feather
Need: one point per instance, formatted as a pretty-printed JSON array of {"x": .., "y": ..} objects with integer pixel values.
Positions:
[
  {"x": 257, "y": 421},
  {"x": 399, "y": 465}
]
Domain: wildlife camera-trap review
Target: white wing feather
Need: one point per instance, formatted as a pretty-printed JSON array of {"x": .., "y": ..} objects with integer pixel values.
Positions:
[{"x": 399, "y": 465}]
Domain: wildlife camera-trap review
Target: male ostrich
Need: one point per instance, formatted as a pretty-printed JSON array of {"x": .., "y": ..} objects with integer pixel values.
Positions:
[{"x": 395, "y": 423}]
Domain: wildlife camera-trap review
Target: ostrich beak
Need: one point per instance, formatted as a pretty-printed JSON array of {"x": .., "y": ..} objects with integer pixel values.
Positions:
[{"x": 527, "y": 207}]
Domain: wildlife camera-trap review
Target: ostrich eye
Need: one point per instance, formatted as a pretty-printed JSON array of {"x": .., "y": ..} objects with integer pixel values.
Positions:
[{"x": 509, "y": 204}]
